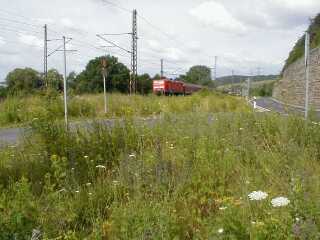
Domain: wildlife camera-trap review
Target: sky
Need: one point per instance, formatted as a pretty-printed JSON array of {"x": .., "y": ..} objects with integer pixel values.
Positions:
[{"x": 245, "y": 35}]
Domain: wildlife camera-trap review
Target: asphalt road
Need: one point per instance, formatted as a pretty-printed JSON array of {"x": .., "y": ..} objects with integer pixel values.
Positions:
[
  {"x": 11, "y": 135},
  {"x": 275, "y": 106}
]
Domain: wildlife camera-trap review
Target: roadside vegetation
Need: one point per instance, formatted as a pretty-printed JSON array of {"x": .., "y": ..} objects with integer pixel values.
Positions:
[
  {"x": 24, "y": 109},
  {"x": 189, "y": 176},
  {"x": 299, "y": 48}
]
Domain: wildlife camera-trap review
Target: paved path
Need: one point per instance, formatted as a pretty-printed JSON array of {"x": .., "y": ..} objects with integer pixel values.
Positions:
[
  {"x": 10, "y": 135},
  {"x": 272, "y": 104}
]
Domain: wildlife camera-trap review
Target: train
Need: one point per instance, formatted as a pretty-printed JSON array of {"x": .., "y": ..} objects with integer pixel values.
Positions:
[{"x": 170, "y": 87}]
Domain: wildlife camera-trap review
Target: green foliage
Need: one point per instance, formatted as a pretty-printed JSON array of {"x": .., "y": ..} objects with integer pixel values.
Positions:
[
  {"x": 23, "y": 80},
  {"x": 49, "y": 105},
  {"x": 144, "y": 84},
  {"x": 90, "y": 80},
  {"x": 264, "y": 90},
  {"x": 199, "y": 75},
  {"x": 299, "y": 48},
  {"x": 55, "y": 79},
  {"x": 155, "y": 181}
]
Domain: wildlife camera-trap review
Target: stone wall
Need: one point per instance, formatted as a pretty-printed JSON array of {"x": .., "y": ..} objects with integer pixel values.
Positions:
[{"x": 291, "y": 88}]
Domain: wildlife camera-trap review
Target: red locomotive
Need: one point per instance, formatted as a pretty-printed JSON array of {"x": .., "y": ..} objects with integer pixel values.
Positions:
[{"x": 170, "y": 87}]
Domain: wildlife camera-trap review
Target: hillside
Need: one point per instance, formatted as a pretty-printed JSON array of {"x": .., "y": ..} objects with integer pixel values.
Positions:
[
  {"x": 298, "y": 49},
  {"x": 241, "y": 78}
]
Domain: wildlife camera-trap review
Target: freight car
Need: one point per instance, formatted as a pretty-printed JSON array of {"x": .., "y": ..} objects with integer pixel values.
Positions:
[{"x": 169, "y": 87}]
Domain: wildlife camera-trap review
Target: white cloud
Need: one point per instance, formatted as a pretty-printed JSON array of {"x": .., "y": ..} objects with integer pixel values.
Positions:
[
  {"x": 215, "y": 14},
  {"x": 66, "y": 22},
  {"x": 30, "y": 40},
  {"x": 173, "y": 53},
  {"x": 44, "y": 20},
  {"x": 2, "y": 41}
]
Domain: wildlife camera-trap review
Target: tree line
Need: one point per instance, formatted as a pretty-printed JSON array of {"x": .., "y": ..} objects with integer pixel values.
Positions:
[{"x": 28, "y": 80}]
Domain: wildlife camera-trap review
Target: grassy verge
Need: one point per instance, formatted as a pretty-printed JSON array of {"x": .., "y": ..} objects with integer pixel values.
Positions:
[
  {"x": 183, "y": 178},
  {"x": 22, "y": 110}
]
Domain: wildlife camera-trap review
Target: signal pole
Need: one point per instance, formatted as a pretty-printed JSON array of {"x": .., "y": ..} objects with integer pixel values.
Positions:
[
  {"x": 307, "y": 69},
  {"x": 104, "y": 74},
  {"x": 134, "y": 52},
  {"x": 161, "y": 73},
  {"x": 45, "y": 55},
  {"x": 65, "y": 82},
  {"x": 215, "y": 67}
]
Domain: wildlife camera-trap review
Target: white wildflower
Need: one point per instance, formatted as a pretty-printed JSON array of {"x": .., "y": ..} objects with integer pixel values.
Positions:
[
  {"x": 115, "y": 182},
  {"x": 132, "y": 155},
  {"x": 86, "y": 156},
  {"x": 257, "y": 195},
  {"x": 240, "y": 129},
  {"x": 280, "y": 202},
  {"x": 297, "y": 219},
  {"x": 88, "y": 184},
  {"x": 171, "y": 146},
  {"x": 77, "y": 191},
  {"x": 90, "y": 193},
  {"x": 101, "y": 167},
  {"x": 223, "y": 208},
  {"x": 220, "y": 230}
]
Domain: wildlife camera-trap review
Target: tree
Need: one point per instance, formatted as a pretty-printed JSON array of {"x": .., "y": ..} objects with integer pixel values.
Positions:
[
  {"x": 90, "y": 80},
  {"x": 23, "y": 80},
  {"x": 55, "y": 79},
  {"x": 199, "y": 75},
  {"x": 71, "y": 79},
  {"x": 144, "y": 84}
]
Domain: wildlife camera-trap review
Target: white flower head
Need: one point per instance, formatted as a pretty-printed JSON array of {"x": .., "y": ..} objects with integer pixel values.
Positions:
[
  {"x": 280, "y": 202},
  {"x": 86, "y": 156},
  {"x": 171, "y": 146},
  {"x": 132, "y": 155},
  {"x": 223, "y": 208},
  {"x": 257, "y": 196},
  {"x": 77, "y": 191},
  {"x": 220, "y": 230},
  {"x": 101, "y": 167},
  {"x": 88, "y": 184}
]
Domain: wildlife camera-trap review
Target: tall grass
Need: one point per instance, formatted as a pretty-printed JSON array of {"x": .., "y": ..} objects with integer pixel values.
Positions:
[
  {"x": 22, "y": 110},
  {"x": 180, "y": 177}
]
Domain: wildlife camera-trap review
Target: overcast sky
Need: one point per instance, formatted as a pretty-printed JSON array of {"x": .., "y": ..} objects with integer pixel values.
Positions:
[{"x": 244, "y": 34}]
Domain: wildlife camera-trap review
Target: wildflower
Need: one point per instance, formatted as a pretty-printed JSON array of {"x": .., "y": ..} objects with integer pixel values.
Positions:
[
  {"x": 72, "y": 169},
  {"x": 132, "y": 155},
  {"x": 257, "y": 195},
  {"x": 220, "y": 230},
  {"x": 90, "y": 193},
  {"x": 77, "y": 191},
  {"x": 297, "y": 219},
  {"x": 171, "y": 146},
  {"x": 280, "y": 202},
  {"x": 247, "y": 182},
  {"x": 115, "y": 182},
  {"x": 101, "y": 167},
  {"x": 88, "y": 184},
  {"x": 240, "y": 129},
  {"x": 223, "y": 208},
  {"x": 86, "y": 156}
]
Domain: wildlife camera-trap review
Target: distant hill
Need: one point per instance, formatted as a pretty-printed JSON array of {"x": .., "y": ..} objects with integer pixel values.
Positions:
[
  {"x": 298, "y": 49},
  {"x": 241, "y": 78}
]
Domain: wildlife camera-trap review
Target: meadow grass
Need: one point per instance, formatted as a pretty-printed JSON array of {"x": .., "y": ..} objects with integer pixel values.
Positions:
[
  {"x": 22, "y": 110},
  {"x": 183, "y": 176}
]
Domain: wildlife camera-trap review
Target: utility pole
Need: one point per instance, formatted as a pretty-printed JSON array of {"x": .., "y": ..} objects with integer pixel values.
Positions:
[
  {"x": 215, "y": 67},
  {"x": 45, "y": 55},
  {"x": 104, "y": 74},
  {"x": 134, "y": 52},
  {"x": 248, "y": 88},
  {"x": 307, "y": 69},
  {"x": 161, "y": 73},
  {"x": 65, "y": 82}
]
